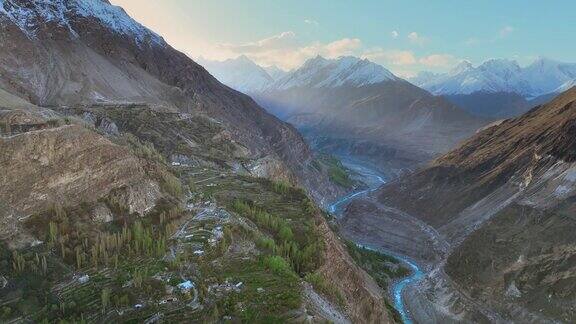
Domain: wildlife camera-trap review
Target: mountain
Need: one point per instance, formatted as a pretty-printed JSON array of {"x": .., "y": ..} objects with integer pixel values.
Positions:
[
  {"x": 508, "y": 87},
  {"x": 542, "y": 77},
  {"x": 130, "y": 174},
  {"x": 241, "y": 73},
  {"x": 275, "y": 72},
  {"x": 500, "y": 211},
  {"x": 342, "y": 72},
  {"x": 350, "y": 106},
  {"x": 69, "y": 53}
]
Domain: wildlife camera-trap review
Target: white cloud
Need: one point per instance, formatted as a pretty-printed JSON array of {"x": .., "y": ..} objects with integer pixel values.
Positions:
[
  {"x": 311, "y": 22},
  {"x": 505, "y": 31},
  {"x": 417, "y": 39},
  {"x": 284, "y": 40},
  {"x": 438, "y": 60},
  {"x": 390, "y": 57},
  {"x": 287, "y": 51},
  {"x": 394, "y": 34}
]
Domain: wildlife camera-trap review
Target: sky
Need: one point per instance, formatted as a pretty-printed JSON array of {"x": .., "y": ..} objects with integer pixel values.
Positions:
[{"x": 406, "y": 36}]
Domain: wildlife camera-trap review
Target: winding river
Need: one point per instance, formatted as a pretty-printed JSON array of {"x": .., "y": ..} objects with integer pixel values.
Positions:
[{"x": 374, "y": 181}]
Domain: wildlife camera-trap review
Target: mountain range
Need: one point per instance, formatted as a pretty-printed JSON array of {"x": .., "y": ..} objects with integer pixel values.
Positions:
[
  {"x": 352, "y": 106},
  {"x": 500, "y": 88},
  {"x": 542, "y": 77}
]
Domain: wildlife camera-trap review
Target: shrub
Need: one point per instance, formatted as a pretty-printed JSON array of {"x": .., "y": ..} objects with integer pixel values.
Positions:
[{"x": 277, "y": 265}]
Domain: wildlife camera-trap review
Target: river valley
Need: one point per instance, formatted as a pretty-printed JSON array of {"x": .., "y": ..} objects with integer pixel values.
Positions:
[{"x": 373, "y": 181}]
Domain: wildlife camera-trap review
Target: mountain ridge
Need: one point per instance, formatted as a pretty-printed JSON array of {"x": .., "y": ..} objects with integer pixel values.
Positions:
[{"x": 541, "y": 77}]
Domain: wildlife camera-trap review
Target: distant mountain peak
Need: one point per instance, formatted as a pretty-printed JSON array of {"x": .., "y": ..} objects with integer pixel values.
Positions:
[
  {"x": 543, "y": 76},
  {"x": 320, "y": 72},
  {"x": 462, "y": 67},
  {"x": 240, "y": 73}
]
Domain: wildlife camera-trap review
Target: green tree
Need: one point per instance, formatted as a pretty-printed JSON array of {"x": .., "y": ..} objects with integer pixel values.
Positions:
[{"x": 105, "y": 299}]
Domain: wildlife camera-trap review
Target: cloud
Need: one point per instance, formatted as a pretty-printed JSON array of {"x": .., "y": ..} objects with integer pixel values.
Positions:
[
  {"x": 505, "y": 31},
  {"x": 311, "y": 22},
  {"x": 394, "y": 34},
  {"x": 390, "y": 57},
  {"x": 287, "y": 51},
  {"x": 417, "y": 39},
  {"x": 284, "y": 40},
  {"x": 438, "y": 60}
]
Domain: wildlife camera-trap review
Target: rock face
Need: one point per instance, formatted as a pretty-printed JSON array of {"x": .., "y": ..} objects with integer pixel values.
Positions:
[
  {"x": 70, "y": 164},
  {"x": 503, "y": 202},
  {"x": 77, "y": 52},
  {"x": 364, "y": 299}
]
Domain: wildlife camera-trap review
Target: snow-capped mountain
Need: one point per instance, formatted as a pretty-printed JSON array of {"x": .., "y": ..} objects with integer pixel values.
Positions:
[
  {"x": 275, "y": 72},
  {"x": 546, "y": 76},
  {"x": 242, "y": 73},
  {"x": 542, "y": 77},
  {"x": 50, "y": 14},
  {"x": 330, "y": 73}
]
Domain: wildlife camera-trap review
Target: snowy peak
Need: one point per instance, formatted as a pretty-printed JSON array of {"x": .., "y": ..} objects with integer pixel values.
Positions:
[
  {"x": 331, "y": 73},
  {"x": 504, "y": 69},
  {"x": 32, "y": 17},
  {"x": 542, "y": 77},
  {"x": 275, "y": 72},
  {"x": 240, "y": 73},
  {"x": 462, "y": 67}
]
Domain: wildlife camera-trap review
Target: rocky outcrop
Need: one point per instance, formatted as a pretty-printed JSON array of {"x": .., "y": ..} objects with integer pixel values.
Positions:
[
  {"x": 69, "y": 165},
  {"x": 363, "y": 298}
]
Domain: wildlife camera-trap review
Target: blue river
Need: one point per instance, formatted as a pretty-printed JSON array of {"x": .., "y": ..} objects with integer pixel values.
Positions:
[{"x": 374, "y": 182}]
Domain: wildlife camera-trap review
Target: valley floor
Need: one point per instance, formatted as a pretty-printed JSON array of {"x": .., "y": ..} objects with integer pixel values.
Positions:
[{"x": 427, "y": 294}]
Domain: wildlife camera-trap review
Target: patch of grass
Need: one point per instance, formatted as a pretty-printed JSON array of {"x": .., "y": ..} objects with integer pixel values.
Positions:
[
  {"x": 337, "y": 172},
  {"x": 381, "y": 267},
  {"x": 270, "y": 289}
]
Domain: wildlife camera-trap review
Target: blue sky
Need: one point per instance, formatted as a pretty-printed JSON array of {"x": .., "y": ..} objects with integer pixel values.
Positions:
[{"x": 405, "y": 36}]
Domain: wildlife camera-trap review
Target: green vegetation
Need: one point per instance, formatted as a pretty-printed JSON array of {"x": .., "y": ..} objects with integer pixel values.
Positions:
[
  {"x": 303, "y": 253},
  {"x": 336, "y": 171},
  {"x": 270, "y": 289},
  {"x": 381, "y": 267}
]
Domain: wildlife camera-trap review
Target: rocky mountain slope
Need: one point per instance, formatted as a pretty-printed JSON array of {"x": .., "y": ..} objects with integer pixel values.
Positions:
[
  {"x": 502, "y": 202},
  {"x": 67, "y": 53},
  {"x": 134, "y": 185},
  {"x": 353, "y": 106}
]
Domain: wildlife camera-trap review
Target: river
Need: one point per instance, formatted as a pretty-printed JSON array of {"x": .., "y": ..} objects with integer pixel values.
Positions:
[{"x": 374, "y": 181}]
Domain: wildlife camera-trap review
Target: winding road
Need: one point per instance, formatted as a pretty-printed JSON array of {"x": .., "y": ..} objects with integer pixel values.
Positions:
[{"x": 374, "y": 181}]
